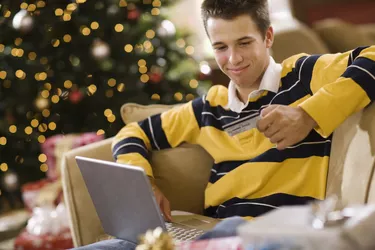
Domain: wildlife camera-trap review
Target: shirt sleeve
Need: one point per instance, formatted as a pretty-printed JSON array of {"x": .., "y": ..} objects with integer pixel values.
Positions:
[
  {"x": 134, "y": 142},
  {"x": 340, "y": 85}
]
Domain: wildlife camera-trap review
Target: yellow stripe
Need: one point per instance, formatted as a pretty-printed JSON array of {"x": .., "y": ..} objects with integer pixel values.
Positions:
[
  {"x": 368, "y": 53},
  {"x": 257, "y": 97},
  {"x": 290, "y": 63},
  {"x": 217, "y": 96},
  {"x": 135, "y": 159},
  {"x": 300, "y": 177},
  {"x": 328, "y": 68},
  {"x": 132, "y": 130},
  {"x": 248, "y": 218},
  {"x": 299, "y": 101},
  {"x": 179, "y": 124},
  {"x": 243, "y": 146}
]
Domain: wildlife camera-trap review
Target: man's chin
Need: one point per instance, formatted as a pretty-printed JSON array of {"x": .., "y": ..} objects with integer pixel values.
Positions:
[
  {"x": 241, "y": 84},
  {"x": 245, "y": 85}
]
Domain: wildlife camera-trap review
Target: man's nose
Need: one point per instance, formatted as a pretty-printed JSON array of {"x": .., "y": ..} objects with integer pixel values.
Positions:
[{"x": 235, "y": 58}]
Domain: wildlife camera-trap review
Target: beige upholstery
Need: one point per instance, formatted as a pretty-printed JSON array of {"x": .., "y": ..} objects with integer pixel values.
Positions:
[
  {"x": 352, "y": 158},
  {"x": 84, "y": 222},
  {"x": 187, "y": 168},
  {"x": 302, "y": 38}
]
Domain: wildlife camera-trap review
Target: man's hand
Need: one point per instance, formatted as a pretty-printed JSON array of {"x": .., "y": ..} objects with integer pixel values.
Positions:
[
  {"x": 162, "y": 201},
  {"x": 285, "y": 125}
]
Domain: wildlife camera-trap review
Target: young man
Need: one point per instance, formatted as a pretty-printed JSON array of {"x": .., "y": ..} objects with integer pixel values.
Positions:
[{"x": 270, "y": 131}]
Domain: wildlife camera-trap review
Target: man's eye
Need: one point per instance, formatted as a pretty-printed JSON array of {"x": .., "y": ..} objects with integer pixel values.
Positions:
[
  {"x": 244, "y": 44},
  {"x": 220, "y": 48}
]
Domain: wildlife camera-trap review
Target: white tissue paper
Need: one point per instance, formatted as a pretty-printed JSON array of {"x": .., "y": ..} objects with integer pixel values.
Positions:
[{"x": 48, "y": 220}]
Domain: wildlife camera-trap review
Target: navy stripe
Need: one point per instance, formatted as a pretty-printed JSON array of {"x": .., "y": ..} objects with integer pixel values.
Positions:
[
  {"x": 264, "y": 100},
  {"x": 362, "y": 78},
  {"x": 119, "y": 150},
  {"x": 355, "y": 53},
  {"x": 302, "y": 151},
  {"x": 223, "y": 167},
  {"x": 219, "y": 111},
  {"x": 289, "y": 80},
  {"x": 307, "y": 72},
  {"x": 248, "y": 208},
  {"x": 297, "y": 92},
  {"x": 291, "y": 96},
  {"x": 197, "y": 109},
  {"x": 158, "y": 132},
  {"x": 275, "y": 155}
]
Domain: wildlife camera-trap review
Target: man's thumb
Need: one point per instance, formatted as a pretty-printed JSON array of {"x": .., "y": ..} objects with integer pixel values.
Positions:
[{"x": 268, "y": 110}]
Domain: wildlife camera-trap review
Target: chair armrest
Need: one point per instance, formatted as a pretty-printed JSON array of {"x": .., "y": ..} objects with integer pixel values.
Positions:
[{"x": 81, "y": 210}]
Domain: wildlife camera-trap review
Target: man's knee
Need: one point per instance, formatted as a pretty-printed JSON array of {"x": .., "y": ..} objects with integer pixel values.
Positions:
[{"x": 230, "y": 223}]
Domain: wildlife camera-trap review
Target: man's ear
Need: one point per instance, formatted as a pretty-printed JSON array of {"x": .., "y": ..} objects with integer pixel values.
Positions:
[{"x": 269, "y": 37}]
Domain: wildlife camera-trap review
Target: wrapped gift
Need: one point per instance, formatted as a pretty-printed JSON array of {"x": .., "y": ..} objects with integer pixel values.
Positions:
[
  {"x": 49, "y": 191},
  {"x": 55, "y": 146},
  {"x": 46, "y": 229},
  {"x": 26, "y": 241}
]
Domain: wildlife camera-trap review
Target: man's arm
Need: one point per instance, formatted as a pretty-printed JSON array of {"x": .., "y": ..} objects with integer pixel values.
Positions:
[
  {"x": 334, "y": 101},
  {"x": 169, "y": 129},
  {"x": 339, "y": 85}
]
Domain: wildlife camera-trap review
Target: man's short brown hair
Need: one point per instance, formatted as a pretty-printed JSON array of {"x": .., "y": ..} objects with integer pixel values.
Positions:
[{"x": 230, "y": 9}]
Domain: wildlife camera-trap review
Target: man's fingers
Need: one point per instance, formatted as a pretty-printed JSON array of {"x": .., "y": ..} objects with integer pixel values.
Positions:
[
  {"x": 272, "y": 129},
  {"x": 166, "y": 209},
  {"x": 277, "y": 137},
  {"x": 158, "y": 198},
  {"x": 268, "y": 110},
  {"x": 266, "y": 121},
  {"x": 283, "y": 144}
]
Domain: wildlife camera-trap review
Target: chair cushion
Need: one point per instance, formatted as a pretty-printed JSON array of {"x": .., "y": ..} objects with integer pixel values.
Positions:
[
  {"x": 351, "y": 166},
  {"x": 308, "y": 41},
  {"x": 341, "y": 36},
  {"x": 181, "y": 173}
]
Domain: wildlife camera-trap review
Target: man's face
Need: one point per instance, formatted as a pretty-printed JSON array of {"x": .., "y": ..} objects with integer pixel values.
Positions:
[{"x": 240, "y": 49}]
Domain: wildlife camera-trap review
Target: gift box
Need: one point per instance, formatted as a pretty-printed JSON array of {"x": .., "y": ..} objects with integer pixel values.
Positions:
[
  {"x": 27, "y": 241},
  {"x": 227, "y": 243},
  {"x": 47, "y": 228},
  {"x": 55, "y": 146}
]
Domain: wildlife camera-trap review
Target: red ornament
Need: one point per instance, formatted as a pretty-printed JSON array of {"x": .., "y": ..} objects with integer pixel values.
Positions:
[
  {"x": 155, "y": 77},
  {"x": 133, "y": 14},
  {"x": 75, "y": 96},
  {"x": 10, "y": 118},
  {"x": 202, "y": 76}
]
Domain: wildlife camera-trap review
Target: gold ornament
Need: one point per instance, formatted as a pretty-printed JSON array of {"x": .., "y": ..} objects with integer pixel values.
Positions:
[
  {"x": 41, "y": 103},
  {"x": 156, "y": 240}
]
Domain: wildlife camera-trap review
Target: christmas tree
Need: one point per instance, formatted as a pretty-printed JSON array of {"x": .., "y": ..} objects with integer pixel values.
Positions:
[{"x": 68, "y": 67}]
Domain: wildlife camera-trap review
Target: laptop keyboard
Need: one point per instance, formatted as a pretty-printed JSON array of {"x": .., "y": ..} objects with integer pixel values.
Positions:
[{"x": 180, "y": 233}]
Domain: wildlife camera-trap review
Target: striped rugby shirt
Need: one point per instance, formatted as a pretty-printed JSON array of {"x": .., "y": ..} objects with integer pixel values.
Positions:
[{"x": 250, "y": 176}]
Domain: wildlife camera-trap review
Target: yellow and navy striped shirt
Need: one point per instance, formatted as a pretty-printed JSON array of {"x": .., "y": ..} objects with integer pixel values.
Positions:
[{"x": 250, "y": 176}]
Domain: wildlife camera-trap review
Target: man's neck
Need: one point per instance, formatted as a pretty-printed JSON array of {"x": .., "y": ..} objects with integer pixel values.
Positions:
[{"x": 243, "y": 93}]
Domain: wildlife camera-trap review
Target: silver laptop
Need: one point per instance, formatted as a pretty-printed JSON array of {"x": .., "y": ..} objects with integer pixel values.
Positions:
[{"x": 126, "y": 206}]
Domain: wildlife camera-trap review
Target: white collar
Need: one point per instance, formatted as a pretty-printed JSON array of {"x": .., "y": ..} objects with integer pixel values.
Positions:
[{"x": 270, "y": 82}]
